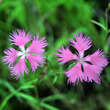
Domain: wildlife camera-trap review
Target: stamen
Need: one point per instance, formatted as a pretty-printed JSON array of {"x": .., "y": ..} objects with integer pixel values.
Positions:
[
  {"x": 81, "y": 55},
  {"x": 22, "y": 48},
  {"x": 23, "y": 53},
  {"x": 20, "y": 53}
]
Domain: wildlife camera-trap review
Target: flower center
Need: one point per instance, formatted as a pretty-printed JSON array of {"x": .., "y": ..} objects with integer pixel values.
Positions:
[
  {"x": 80, "y": 58},
  {"x": 23, "y": 53}
]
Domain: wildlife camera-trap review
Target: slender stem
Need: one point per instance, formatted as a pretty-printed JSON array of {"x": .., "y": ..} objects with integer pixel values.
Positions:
[
  {"x": 107, "y": 32},
  {"x": 106, "y": 16},
  {"x": 56, "y": 91}
]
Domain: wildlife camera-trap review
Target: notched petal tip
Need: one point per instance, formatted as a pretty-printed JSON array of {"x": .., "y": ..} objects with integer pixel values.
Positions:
[
  {"x": 38, "y": 45},
  {"x": 20, "y": 38},
  {"x": 65, "y": 55},
  {"x": 81, "y": 43},
  {"x": 10, "y": 57},
  {"x": 17, "y": 69}
]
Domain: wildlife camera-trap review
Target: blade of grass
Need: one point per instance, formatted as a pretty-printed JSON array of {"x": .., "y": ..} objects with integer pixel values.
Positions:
[
  {"x": 7, "y": 84},
  {"x": 53, "y": 97},
  {"x": 99, "y": 24},
  {"x": 49, "y": 107},
  {"x": 27, "y": 97},
  {"x": 13, "y": 92}
]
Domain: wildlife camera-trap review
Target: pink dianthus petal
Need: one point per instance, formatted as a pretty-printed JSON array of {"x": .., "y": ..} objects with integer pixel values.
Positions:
[
  {"x": 37, "y": 45},
  {"x": 19, "y": 68},
  {"x": 97, "y": 59},
  {"x": 65, "y": 55},
  {"x": 92, "y": 73},
  {"x": 75, "y": 74},
  {"x": 11, "y": 56},
  {"x": 34, "y": 61},
  {"x": 20, "y": 38},
  {"x": 81, "y": 43}
]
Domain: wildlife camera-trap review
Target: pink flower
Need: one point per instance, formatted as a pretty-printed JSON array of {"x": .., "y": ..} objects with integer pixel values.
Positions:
[
  {"x": 33, "y": 53},
  {"x": 87, "y": 68},
  {"x": 20, "y": 38},
  {"x": 11, "y": 56}
]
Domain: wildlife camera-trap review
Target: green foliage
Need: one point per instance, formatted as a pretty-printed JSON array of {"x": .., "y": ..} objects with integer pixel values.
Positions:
[
  {"x": 99, "y": 24},
  {"x": 47, "y": 88}
]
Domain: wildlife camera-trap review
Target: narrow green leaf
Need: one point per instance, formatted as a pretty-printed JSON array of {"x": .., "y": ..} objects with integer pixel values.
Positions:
[
  {"x": 4, "y": 102},
  {"x": 33, "y": 81},
  {"x": 53, "y": 97},
  {"x": 7, "y": 84},
  {"x": 27, "y": 97},
  {"x": 26, "y": 87},
  {"x": 55, "y": 79},
  {"x": 99, "y": 24},
  {"x": 15, "y": 92},
  {"x": 49, "y": 107}
]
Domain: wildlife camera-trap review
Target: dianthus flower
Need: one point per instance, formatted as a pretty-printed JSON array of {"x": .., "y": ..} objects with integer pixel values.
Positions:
[
  {"x": 87, "y": 68},
  {"x": 33, "y": 53}
]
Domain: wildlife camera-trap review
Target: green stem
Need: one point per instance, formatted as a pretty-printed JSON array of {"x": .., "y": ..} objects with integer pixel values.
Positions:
[
  {"x": 56, "y": 91},
  {"x": 106, "y": 15},
  {"x": 108, "y": 30}
]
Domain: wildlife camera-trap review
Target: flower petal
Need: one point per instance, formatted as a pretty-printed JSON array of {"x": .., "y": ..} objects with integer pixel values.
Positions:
[
  {"x": 65, "y": 55},
  {"x": 81, "y": 43},
  {"x": 19, "y": 68},
  {"x": 38, "y": 45},
  {"x": 92, "y": 73},
  {"x": 97, "y": 59},
  {"x": 34, "y": 61},
  {"x": 11, "y": 56},
  {"x": 20, "y": 38},
  {"x": 75, "y": 74}
]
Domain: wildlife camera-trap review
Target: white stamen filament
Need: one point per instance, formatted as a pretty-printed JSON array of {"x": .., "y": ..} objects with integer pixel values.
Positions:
[
  {"x": 81, "y": 55},
  {"x": 23, "y": 53},
  {"x": 80, "y": 60}
]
